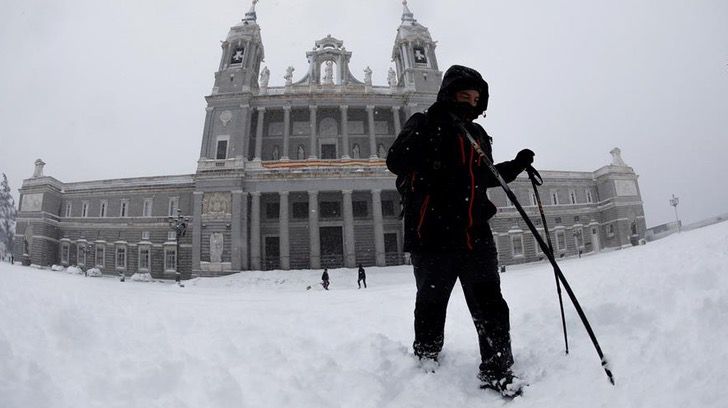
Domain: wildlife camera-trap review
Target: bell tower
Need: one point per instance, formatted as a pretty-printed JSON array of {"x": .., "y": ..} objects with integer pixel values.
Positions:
[
  {"x": 414, "y": 56},
  {"x": 242, "y": 53}
]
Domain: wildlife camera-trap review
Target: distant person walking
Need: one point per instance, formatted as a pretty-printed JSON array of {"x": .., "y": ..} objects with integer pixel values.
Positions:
[
  {"x": 325, "y": 279},
  {"x": 362, "y": 277}
]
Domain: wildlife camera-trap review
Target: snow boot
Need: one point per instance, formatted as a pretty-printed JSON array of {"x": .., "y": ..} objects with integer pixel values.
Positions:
[
  {"x": 428, "y": 364},
  {"x": 505, "y": 383}
]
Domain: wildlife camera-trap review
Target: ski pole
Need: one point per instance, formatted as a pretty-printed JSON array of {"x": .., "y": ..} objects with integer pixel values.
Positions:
[
  {"x": 536, "y": 181},
  {"x": 542, "y": 244}
]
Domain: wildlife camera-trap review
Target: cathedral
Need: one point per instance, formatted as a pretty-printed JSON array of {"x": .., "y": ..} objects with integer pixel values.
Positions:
[{"x": 294, "y": 177}]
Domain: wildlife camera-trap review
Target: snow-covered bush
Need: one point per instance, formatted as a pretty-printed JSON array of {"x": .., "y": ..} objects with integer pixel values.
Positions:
[
  {"x": 57, "y": 268},
  {"x": 74, "y": 269},
  {"x": 94, "y": 272},
  {"x": 141, "y": 277}
]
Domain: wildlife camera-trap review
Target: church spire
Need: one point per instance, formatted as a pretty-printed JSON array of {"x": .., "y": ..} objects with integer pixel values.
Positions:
[
  {"x": 250, "y": 15},
  {"x": 407, "y": 15}
]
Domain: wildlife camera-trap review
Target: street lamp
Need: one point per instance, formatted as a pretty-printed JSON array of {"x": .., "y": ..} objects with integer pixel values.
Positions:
[
  {"x": 179, "y": 224},
  {"x": 674, "y": 201},
  {"x": 85, "y": 249}
]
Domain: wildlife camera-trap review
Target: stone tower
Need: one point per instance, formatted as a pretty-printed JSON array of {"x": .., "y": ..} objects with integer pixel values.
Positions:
[
  {"x": 414, "y": 56},
  {"x": 228, "y": 110},
  {"x": 242, "y": 53}
]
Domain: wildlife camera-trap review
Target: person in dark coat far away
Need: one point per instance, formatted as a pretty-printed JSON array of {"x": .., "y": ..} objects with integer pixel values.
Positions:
[
  {"x": 443, "y": 183},
  {"x": 325, "y": 279},
  {"x": 362, "y": 277}
]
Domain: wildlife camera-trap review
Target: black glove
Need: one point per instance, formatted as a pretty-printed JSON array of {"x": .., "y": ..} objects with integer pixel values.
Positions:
[{"x": 524, "y": 158}]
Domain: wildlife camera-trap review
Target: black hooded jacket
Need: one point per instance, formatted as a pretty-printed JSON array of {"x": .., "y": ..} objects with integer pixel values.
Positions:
[{"x": 440, "y": 176}]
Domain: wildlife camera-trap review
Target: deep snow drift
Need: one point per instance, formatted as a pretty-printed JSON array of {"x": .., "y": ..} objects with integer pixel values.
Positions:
[{"x": 261, "y": 339}]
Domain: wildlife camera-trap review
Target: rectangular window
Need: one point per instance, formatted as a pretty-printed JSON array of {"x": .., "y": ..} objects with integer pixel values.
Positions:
[
  {"x": 102, "y": 208},
  {"x": 388, "y": 208},
  {"x": 124, "y": 208},
  {"x": 272, "y": 210},
  {"x": 100, "y": 255},
  {"x": 120, "y": 257},
  {"x": 300, "y": 210},
  {"x": 145, "y": 254},
  {"x": 330, "y": 209},
  {"x": 84, "y": 209},
  {"x": 589, "y": 196},
  {"x": 65, "y": 252},
  {"x": 390, "y": 242},
  {"x": 145, "y": 235},
  {"x": 560, "y": 240},
  {"x": 68, "y": 209},
  {"x": 576, "y": 218},
  {"x": 170, "y": 259},
  {"x": 222, "y": 145},
  {"x": 173, "y": 206},
  {"x": 81, "y": 254},
  {"x": 572, "y": 196},
  {"x": 554, "y": 198},
  {"x": 171, "y": 235},
  {"x": 360, "y": 208},
  {"x": 610, "y": 230},
  {"x": 517, "y": 245},
  {"x": 147, "y": 208},
  {"x": 557, "y": 220}
]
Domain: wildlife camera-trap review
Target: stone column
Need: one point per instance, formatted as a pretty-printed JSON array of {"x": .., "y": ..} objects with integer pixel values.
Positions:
[
  {"x": 372, "y": 137},
  {"x": 397, "y": 124},
  {"x": 349, "y": 250},
  {"x": 313, "y": 146},
  {"x": 378, "y": 227},
  {"x": 255, "y": 230},
  {"x": 236, "y": 231},
  {"x": 244, "y": 231},
  {"x": 259, "y": 134},
  {"x": 237, "y": 150},
  {"x": 285, "y": 256},
  {"x": 344, "y": 131},
  {"x": 286, "y": 130},
  {"x": 196, "y": 230},
  {"x": 314, "y": 240}
]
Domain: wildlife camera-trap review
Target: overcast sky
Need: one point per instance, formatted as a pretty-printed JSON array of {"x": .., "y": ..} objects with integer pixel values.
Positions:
[{"x": 110, "y": 88}]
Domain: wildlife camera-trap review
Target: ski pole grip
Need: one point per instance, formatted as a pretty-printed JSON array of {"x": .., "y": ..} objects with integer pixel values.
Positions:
[{"x": 534, "y": 175}]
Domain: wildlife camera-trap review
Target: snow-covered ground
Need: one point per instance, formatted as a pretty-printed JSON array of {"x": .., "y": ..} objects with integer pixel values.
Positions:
[{"x": 263, "y": 340}]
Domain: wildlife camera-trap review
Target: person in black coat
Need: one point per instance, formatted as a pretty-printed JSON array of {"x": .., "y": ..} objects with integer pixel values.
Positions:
[
  {"x": 325, "y": 279},
  {"x": 443, "y": 183},
  {"x": 362, "y": 277}
]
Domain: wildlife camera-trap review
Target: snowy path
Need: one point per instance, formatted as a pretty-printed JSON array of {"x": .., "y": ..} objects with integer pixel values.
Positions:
[{"x": 263, "y": 340}]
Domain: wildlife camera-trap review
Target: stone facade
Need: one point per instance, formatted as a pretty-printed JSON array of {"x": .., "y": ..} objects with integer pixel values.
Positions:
[{"x": 294, "y": 177}]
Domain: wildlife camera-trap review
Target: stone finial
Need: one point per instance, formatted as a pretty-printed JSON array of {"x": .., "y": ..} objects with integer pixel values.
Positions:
[
  {"x": 617, "y": 157},
  {"x": 289, "y": 76},
  {"x": 368, "y": 76},
  {"x": 38, "y": 168},
  {"x": 392, "y": 78},
  {"x": 251, "y": 15},
  {"x": 407, "y": 15},
  {"x": 264, "y": 77}
]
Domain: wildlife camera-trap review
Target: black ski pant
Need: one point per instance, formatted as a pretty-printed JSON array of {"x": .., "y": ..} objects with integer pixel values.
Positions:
[
  {"x": 435, "y": 274},
  {"x": 359, "y": 282}
]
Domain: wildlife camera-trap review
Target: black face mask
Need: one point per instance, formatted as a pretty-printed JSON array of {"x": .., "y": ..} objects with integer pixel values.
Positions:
[{"x": 464, "y": 110}]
